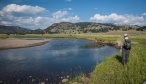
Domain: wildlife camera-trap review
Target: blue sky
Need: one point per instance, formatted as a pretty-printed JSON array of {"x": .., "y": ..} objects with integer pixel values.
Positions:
[{"x": 42, "y": 13}]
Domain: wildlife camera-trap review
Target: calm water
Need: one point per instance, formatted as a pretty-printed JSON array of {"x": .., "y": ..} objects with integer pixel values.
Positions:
[{"x": 51, "y": 62}]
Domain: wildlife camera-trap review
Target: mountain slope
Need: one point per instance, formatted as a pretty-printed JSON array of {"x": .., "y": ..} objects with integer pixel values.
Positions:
[
  {"x": 86, "y": 27},
  {"x": 18, "y": 30},
  {"x": 13, "y": 30}
]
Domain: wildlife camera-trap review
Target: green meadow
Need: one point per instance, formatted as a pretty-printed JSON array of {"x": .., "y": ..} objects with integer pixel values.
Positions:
[{"x": 110, "y": 71}]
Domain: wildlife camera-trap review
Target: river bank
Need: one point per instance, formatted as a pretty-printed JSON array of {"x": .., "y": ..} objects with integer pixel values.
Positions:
[
  {"x": 116, "y": 44},
  {"x": 112, "y": 71},
  {"x": 111, "y": 40},
  {"x": 12, "y": 43}
]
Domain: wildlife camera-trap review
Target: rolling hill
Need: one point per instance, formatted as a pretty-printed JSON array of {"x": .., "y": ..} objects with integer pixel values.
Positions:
[
  {"x": 71, "y": 28},
  {"x": 86, "y": 27},
  {"x": 18, "y": 30}
]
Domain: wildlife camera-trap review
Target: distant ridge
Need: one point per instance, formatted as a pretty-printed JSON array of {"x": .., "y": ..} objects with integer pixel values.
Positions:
[
  {"x": 18, "y": 30},
  {"x": 71, "y": 28},
  {"x": 86, "y": 27}
]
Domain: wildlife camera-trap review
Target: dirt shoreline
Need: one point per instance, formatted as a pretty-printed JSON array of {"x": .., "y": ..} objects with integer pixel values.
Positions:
[
  {"x": 20, "y": 43},
  {"x": 14, "y": 43},
  {"x": 116, "y": 44}
]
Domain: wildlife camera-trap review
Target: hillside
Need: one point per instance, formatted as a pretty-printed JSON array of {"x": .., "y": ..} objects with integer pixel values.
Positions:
[
  {"x": 71, "y": 28},
  {"x": 86, "y": 27},
  {"x": 18, "y": 30}
]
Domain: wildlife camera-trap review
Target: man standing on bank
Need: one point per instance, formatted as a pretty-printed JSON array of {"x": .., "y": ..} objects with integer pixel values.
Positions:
[{"x": 126, "y": 49}]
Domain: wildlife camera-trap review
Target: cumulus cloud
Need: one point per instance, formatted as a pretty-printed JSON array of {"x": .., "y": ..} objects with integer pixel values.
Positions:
[
  {"x": 21, "y": 15},
  {"x": 33, "y": 16},
  {"x": 59, "y": 14},
  {"x": 144, "y": 14},
  {"x": 118, "y": 19},
  {"x": 22, "y": 9}
]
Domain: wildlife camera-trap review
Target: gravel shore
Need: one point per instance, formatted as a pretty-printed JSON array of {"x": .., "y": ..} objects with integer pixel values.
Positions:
[{"x": 20, "y": 43}]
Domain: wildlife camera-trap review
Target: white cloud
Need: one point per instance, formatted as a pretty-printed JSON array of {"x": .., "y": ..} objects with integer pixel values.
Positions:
[
  {"x": 144, "y": 14},
  {"x": 59, "y": 14},
  {"x": 23, "y": 9},
  {"x": 21, "y": 15},
  {"x": 118, "y": 19},
  {"x": 33, "y": 16},
  {"x": 71, "y": 19}
]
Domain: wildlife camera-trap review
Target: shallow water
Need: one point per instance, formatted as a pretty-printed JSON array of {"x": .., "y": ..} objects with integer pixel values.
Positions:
[{"x": 58, "y": 59}]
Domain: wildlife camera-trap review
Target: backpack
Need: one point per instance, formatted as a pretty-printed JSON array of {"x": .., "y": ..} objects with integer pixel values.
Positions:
[{"x": 127, "y": 45}]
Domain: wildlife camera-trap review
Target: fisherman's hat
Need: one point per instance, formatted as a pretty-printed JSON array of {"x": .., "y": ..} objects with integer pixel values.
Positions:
[{"x": 125, "y": 35}]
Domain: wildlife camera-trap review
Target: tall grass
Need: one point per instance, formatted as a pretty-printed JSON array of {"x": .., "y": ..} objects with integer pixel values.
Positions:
[{"x": 112, "y": 71}]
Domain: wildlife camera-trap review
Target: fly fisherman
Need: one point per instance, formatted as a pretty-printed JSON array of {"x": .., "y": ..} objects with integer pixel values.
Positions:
[{"x": 126, "y": 49}]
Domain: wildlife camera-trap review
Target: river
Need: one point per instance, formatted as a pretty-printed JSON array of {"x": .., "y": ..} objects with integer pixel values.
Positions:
[{"x": 58, "y": 59}]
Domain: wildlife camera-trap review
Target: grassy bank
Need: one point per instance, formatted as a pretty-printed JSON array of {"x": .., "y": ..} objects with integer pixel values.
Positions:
[
  {"x": 84, "y": 36},
  {"x": 110, "y": 71}
]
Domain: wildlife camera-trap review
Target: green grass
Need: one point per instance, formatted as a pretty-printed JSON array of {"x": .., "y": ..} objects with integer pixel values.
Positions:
[
  {"x": 111, "y": 71},
  {"x": 84, "y": 36},
  {"x": 4, "y": 36}
]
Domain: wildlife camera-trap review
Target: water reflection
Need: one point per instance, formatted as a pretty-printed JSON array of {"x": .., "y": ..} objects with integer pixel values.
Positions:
[{"x": 58, "y": 58}]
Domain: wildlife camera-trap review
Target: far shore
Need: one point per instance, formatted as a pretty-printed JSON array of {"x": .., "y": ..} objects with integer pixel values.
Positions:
[
  {"x": 24, "y": 41},
  {"x": 13, "y": 43}
]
